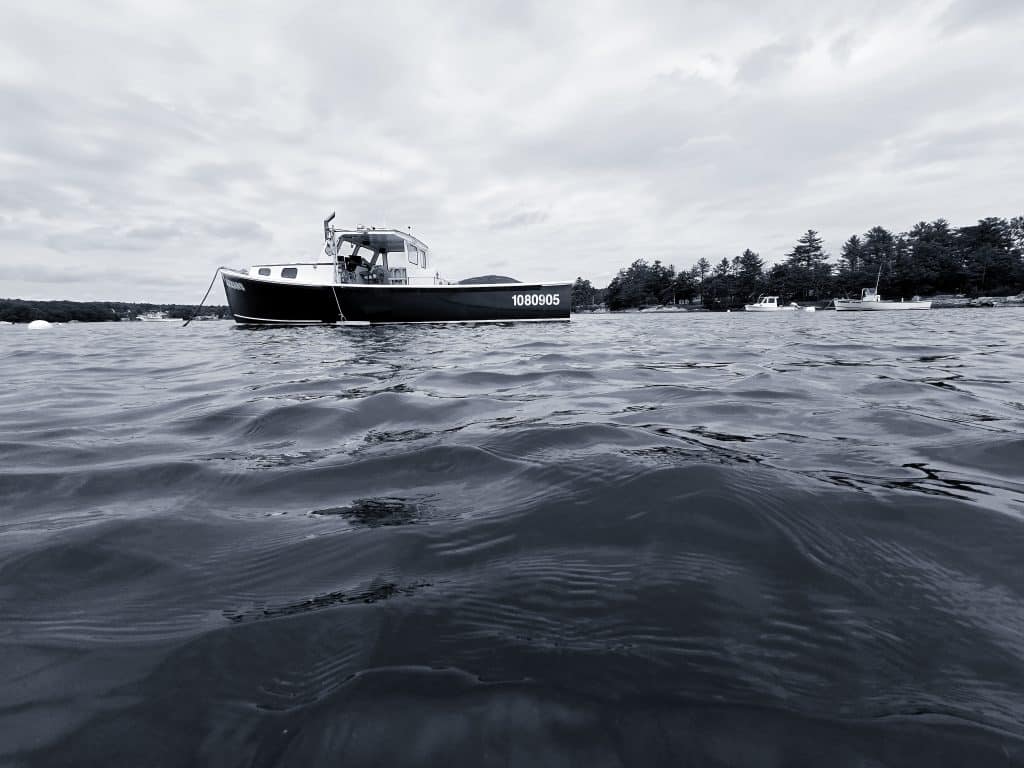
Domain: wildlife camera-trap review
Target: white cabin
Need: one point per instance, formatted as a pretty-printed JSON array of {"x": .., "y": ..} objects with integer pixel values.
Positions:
[
  {"x": 770, "y": 304},
  {"x": 364, "y": 255}
]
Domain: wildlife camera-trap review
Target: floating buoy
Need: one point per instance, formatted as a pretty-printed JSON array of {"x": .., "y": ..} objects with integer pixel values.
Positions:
[{"x": 36, "y": 325}]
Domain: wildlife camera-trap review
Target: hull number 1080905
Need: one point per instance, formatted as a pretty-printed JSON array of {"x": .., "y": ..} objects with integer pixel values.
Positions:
[{"x": 535, "y": 299}]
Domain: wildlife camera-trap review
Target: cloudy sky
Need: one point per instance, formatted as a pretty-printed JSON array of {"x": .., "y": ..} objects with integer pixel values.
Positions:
[{"x": 144, "y": 144}]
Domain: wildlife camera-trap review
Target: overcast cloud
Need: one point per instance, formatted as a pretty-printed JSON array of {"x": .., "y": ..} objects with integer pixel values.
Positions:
[{"x": 144, "y": 144}]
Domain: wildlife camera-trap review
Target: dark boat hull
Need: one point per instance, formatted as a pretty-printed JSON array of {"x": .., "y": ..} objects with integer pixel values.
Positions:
[{"x": 265, "y": 302}]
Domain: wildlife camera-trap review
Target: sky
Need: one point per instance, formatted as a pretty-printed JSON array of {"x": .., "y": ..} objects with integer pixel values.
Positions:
[{"x": 144, "y": 144}]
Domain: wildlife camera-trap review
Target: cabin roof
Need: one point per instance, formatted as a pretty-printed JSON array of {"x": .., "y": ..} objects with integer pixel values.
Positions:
[{"x": 387, "y": 240}]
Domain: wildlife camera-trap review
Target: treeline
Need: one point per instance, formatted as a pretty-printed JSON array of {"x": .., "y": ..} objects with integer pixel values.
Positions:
[
  {"x": 931, "y": 258},
  {"x": 24, "y": 311}
]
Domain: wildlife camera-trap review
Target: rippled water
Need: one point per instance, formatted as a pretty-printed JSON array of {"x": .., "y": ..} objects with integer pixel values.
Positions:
[{"x": 626, "y": 540}]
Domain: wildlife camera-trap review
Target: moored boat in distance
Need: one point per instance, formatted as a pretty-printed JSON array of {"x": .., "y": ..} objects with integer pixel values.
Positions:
[
  {"x": 871, "y": 301},
  {"x": 346, "y": 286},
  {"x": 771, "y": 304}
]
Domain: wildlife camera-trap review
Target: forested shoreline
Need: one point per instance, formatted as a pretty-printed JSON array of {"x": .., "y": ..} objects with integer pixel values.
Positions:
[
  {"x": 27, "y": 310},
  {"x": 931, "y": 258}
]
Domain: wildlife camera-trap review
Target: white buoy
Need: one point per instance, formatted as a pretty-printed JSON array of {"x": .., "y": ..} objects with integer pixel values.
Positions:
[{"x": 36, "y": 325}]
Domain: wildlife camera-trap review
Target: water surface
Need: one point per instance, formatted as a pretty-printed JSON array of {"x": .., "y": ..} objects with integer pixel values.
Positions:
[{"x": 626, "y": 540}]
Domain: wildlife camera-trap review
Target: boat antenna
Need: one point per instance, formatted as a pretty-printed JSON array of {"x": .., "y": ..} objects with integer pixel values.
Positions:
[{"x": 878, "y": 279}]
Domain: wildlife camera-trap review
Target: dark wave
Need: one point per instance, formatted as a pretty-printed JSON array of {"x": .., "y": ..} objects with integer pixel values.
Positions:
[{"x": 636, "y": 540}]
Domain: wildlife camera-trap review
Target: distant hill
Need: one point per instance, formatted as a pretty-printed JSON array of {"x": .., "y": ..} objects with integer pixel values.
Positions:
[{"x": 487, "y": 279}]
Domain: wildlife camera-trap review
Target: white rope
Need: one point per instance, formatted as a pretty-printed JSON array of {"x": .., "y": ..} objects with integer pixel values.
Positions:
[{"x": 334, "y": 293}]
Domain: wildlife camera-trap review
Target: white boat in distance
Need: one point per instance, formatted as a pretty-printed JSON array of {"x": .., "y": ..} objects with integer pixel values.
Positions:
[
  {"x": 871, "y": 301},
  {"x": 771, "y": 304}
]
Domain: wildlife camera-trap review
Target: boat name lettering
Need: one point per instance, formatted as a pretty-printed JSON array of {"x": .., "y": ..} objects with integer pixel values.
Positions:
[
  {"x": 535, "y": 299},
  {"x": 234, "y": 284}
]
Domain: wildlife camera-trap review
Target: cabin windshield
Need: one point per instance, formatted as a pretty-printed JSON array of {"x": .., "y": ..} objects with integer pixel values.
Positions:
[{"x": 378, "y": 256}]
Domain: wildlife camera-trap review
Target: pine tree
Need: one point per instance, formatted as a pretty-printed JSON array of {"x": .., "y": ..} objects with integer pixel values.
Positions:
[
  {"x": 684, "y": 286},
  {"x": 582, "y": 294},
  {"x": 849, "y": 258},
  {"x": 749, "y": 268},
  {"x": 808, "y": 252},
  {"x": 878, "y": 249},
  {"x": 809, "y": 270},
  {"x": 987, "y": 250},
  {"x": 935, "y": 261}
]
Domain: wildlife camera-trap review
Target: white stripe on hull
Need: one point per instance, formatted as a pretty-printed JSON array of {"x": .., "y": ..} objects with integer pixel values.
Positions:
[{"x": 282, "y": 322}]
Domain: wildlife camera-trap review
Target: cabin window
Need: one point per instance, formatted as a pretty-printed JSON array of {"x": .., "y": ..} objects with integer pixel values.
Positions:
[
  {"x": 265, "y": 271},
  {"x": 414, "y": 253},
  {"x": 290, "y": 272}
]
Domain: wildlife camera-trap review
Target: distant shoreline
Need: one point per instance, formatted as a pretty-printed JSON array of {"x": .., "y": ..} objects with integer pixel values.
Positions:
[
  {"x": 59, "y": 311},
  {"x": 938, "y": 302},
  {"x": 17, "y": 311}
]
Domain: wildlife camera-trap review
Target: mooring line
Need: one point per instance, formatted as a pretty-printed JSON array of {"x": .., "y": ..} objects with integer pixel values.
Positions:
[
  {"x": 334, "y": 293},
  {"x": 209, "y": 288}
]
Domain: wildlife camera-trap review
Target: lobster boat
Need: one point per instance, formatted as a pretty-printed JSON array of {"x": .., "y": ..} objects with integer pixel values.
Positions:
[
  {"x": 368, "y": 275},
  {"x": 870, "y": 300}
]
